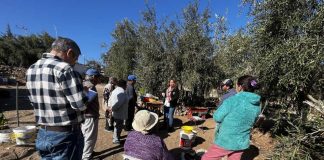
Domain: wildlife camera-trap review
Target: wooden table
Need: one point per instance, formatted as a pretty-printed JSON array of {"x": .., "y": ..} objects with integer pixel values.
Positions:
[
  {"x": 202, "y": 111},
  {"x": 155, "y": 106}
]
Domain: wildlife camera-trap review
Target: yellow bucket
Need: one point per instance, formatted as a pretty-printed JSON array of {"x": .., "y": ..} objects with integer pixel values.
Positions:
[{"x": 187, "y": 129}]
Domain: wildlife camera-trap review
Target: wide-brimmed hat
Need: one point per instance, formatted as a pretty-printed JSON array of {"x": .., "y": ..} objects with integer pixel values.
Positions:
[{"x": 144, "y": 121}]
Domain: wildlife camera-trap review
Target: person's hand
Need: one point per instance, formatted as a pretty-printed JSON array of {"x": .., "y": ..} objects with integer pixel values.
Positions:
[
  {"x": 109, "y": 109},
  {"x": 87, "y": 85},
  {"x": 85, "y": 88}
]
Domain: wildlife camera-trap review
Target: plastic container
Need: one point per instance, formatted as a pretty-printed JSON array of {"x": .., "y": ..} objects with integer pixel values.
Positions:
[
  {"x": 187, "y": 129},
  {"x": 25, "y": 135},
  {"x": 5, "y": 135},
  {"x": 186, "y": 140}
]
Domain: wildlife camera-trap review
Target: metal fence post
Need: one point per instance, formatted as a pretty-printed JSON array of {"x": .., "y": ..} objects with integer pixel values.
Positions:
[{"x": 17, "y": 104}]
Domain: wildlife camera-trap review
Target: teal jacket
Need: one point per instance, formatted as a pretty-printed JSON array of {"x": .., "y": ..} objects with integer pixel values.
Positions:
[{"x": 235, "y": 118}]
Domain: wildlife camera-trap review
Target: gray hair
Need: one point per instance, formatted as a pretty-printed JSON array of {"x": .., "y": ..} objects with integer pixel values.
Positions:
[{"x": 64, "y": 44}]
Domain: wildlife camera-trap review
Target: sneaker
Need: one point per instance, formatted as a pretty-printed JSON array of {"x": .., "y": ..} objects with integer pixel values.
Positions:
[{"x": 116, "y": 142}]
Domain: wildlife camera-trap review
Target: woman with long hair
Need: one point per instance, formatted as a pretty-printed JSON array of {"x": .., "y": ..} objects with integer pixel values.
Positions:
[{"x": 171, "y": 101}]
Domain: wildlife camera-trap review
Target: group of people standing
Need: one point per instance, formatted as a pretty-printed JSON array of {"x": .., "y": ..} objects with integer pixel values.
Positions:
[
  {"x": 68, "y": 114},
  {"x": 119, "y": 104}
]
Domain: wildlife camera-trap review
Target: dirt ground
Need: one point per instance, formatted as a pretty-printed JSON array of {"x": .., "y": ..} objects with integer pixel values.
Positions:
[{"x": 261, "y": 144}]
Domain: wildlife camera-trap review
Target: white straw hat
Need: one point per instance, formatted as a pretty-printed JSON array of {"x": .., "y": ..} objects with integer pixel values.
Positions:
[{"x": 144, "y": 121}]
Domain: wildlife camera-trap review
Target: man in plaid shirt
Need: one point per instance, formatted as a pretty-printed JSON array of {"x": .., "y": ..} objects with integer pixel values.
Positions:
[{"x": 58, "y": 98}]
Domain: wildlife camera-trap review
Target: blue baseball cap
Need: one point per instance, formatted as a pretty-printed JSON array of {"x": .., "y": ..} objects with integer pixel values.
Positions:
[
  {"x": 131, "y": 77},
  {"x": 92, "y": 72}
]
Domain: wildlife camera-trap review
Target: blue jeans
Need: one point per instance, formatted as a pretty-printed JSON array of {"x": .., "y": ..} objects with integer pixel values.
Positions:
[
  {"x": 168, "y": 115},
  {"x": 59, "y": 145}
]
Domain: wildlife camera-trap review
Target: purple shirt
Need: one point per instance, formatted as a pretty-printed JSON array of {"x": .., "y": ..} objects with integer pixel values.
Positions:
[
  {"x": 146, "y": 147},
  {"x": 228, "y": 94}
]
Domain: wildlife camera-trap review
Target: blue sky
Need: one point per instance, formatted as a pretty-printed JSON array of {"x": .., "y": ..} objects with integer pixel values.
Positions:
[{"x": 90, "y": 23}]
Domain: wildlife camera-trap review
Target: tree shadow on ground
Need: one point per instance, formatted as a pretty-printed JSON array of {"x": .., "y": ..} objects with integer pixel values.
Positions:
[
  {"x": 250, "y": 153},
  {"x": 198, "y": 125},
  {"x": 160, "y": 130},
  {"x": 177, "y": 123},
  {"x": 110, "y": 151},
  {"x": 266, "y": 125},
  {"x": 176, "y": 152},
  {"x": 198, "y": 141},
  {"x": 179, "y": 153}
]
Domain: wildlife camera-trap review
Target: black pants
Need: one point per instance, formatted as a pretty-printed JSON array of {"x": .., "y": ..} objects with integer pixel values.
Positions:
[
  {"x": 109, "y": 121},
  {"x": 131, "y": 112}
]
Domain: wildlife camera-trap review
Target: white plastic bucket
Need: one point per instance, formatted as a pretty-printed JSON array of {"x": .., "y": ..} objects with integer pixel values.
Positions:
[
  {"x": 5, "y": 135},
  {"x": 186, "y": 140},
  {"x": 25, "y": 135}
]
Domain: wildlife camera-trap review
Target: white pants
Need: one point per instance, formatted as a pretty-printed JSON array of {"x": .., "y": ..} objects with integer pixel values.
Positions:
[{"x": 90, "y": 133}]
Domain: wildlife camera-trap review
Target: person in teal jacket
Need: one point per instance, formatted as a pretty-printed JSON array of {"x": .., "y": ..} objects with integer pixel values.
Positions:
[{"x": 235, "y": 118}]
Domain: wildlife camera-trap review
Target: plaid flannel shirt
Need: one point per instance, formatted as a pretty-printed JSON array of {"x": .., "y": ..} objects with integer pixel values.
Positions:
[{"x": 56, "y": 92}]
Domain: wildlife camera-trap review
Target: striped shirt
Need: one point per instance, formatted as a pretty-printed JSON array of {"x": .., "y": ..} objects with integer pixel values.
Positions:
[{"x": 56, "y": 92}]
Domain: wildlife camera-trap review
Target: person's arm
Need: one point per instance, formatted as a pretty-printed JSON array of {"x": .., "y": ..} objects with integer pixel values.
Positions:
[
  {"x": 72, "y": 87},
  {"x": 121, "y": 98},
  {"x": 164, "y": 94},
  {"x": 222, "y": 111},
  {"x": 129, "y": 92}
]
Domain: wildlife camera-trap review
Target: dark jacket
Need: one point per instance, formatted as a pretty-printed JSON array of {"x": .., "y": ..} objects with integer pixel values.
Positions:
[
  {"x": 93, "y": 106},
  {"x": 228, "y": 94},
  {"x": 174, "y": 97},
  {"x": 132, "y": 96}
]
